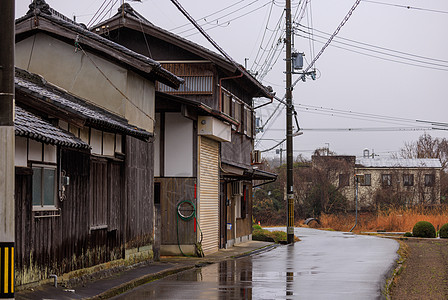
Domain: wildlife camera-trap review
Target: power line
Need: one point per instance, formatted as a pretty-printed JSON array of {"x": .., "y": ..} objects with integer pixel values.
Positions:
[
  {"x": 374, "y": 46},
  {"x": 228, "y": 14},
  {"x": 378, "y": 51},
  {"x": 361, "y": 114},
  {"x": 273, "y": 40},
  {"x": 231, "y": 20},
  {"x": 407, "y": 7},
  {"x": 98, "y": 13},
  {"x": 382, "y": 58},
  {"x": 212, "y": 14},
  {"x": 265, "y": 30},
  {"x": 346, "y": 18},
  {"x": 370, "y": 129}
]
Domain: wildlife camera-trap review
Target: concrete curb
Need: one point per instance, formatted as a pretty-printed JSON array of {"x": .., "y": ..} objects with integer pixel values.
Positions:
[
  {"x": 127, "y": 286},
  {"x": 122, "y": 288},
  {"x": 394, "y": 270}
]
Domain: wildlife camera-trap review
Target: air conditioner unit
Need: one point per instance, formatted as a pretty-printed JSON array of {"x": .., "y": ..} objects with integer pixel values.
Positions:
[
  {"x": 256, "y": 157},
  {"x": 237, "y": 189}
]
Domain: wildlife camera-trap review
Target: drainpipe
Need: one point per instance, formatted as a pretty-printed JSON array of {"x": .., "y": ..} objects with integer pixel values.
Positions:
[{"x": 220, "y": 88}]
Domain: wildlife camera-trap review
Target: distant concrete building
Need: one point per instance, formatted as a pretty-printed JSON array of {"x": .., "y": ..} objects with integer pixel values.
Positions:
[
  {"x": 386, "y": 181},
  {"x": 410, "y": 181}
]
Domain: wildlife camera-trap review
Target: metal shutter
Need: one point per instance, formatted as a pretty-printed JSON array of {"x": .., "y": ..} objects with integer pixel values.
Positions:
[{"x": 209, "y": 193}]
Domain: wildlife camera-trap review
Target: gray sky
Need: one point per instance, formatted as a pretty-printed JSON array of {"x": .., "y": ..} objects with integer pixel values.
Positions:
[{"x": 347, "y": 81}]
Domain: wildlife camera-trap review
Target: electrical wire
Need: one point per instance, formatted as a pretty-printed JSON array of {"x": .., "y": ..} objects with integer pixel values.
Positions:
[
  {"x": 265, "y": 30},
  {"x": 437, "y": 65},
  {"x": 107, "y": 12},
  {"x": 383, "y": 58},
  {"x": 407, "y": 7},
  {"x": 343, "y": 22},
  {"x": 98, "y": 13},
  {"x": 228, "y": 14},
  {"x": 231, "y": 20},
  {"x": 257, "y": 66},
  {"x": 370, "y": 129},
  {"x": 113, "y": 85},
  {"x": 212, "y": 14},
  {"x": 378, "y": 47},
  {"x": 360, "y": 114},
  {"x": 277, "y": 44}
]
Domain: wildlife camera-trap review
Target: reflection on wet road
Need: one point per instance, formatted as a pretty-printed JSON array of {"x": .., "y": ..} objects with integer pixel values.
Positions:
[{"x": 324, "y": 265}]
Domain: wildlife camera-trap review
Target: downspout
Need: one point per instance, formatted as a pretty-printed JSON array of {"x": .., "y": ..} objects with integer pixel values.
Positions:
[{"x": 220, "y": 88}]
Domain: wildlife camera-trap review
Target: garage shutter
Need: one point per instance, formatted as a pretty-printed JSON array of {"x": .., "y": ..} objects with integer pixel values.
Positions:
[{"x": 209, "y": 193}]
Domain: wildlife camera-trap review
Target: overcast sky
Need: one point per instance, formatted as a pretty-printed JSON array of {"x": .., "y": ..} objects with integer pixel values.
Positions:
[{"x": 347, "y": 81}]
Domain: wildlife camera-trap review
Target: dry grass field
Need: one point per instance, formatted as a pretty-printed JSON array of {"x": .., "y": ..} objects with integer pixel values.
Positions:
[{"x": 391, "y": 220}]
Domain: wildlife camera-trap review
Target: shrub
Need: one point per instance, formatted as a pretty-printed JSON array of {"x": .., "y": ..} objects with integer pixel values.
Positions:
[
  {"x": 262, "y": 235},
  {"x": 408, "y": 234},
  {"x": 256, "y": 226},
  {"x": 270, "y": 236},
  {"x": 443, "y": 232},
  {"x": 424, "y": 229}
]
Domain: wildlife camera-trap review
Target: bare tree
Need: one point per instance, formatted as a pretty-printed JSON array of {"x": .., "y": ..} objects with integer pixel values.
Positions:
[{"x": 427, "y": 147}]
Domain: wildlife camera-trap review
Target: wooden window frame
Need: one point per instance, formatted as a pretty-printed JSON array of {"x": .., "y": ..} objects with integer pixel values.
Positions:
[
  {"x": 386, "y": 180},
  {"x": 430, "y": 180},
  {"x": 344, "y": 180},
  {"x": 408, "y": 179},
  {"x": 367, "y": 180}
]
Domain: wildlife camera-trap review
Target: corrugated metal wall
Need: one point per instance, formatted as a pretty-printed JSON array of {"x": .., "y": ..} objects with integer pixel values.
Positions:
[{"x": 209, "y": 193}]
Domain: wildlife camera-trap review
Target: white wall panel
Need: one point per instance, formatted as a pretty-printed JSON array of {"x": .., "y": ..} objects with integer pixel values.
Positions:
[
  {"x": 50, "y": 154},
  {"x": 34, "y": 150},
  {"x": 178, "y": 146},
  {"x": 21, "y": 159}
]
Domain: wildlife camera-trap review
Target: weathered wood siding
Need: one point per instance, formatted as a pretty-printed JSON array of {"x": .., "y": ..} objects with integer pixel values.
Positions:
[
  {"x": 172, "y": 192},
  {"x": 139, "y": 208},
  {"x": 244, "y": 225},
  {"x": 63, "y": 242}
]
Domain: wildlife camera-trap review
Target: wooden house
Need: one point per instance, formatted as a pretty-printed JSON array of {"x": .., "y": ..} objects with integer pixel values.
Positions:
[
  {"x": 84, "y": 197},
  {"x": 204, "y": 137}
]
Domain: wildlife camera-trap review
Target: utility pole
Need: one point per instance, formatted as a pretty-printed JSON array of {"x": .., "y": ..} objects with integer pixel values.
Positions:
[
  {"x": 7, "y": 148},
  {"x": 289, "y": 145}
]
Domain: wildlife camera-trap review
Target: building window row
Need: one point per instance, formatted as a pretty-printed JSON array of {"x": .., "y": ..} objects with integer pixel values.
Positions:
[
  {"x": 386, "y": 180},
  {"x": 408, "y": 180}
]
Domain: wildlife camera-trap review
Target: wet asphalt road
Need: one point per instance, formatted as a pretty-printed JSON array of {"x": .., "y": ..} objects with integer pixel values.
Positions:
[{"x": 324, "y": 265}]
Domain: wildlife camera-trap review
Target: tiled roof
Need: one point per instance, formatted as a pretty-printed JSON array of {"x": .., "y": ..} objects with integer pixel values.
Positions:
[
  {"x": 36, "y": 86},
  {"x": 31, "y": 126},
  {"x": 398, "y": 163},
  {"x": 41, "y": 9}
]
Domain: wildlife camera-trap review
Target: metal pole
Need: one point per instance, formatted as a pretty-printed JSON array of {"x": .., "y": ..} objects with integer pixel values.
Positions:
[
  {"x": 289, "y": 150},
  {"x": 281, "y": 160},
  {"x": 7, "y": 148},
  {"x": 356, "y": 205}
]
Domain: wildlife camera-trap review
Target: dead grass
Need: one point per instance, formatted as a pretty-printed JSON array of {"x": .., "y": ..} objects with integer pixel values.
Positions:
[{"x": 395, "y": 220}]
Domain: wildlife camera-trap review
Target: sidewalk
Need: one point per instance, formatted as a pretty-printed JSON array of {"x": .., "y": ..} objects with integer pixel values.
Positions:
[{"x": 118, "y": 283}]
